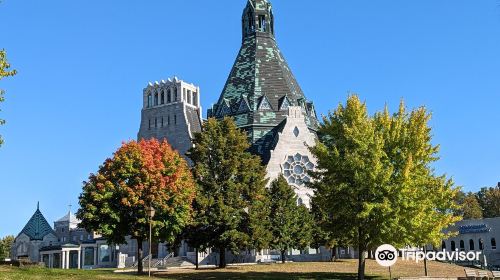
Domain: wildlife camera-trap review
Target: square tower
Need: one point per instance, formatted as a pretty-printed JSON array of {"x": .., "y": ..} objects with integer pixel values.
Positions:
[{"x": 172, "y": 111}]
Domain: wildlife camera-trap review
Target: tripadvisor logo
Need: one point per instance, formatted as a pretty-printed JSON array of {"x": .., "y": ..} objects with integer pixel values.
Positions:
[{"x": 386, "y": 255}]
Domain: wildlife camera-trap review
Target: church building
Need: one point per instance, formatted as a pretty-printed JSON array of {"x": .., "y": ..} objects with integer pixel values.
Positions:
[{"x": 265, "y": 100}]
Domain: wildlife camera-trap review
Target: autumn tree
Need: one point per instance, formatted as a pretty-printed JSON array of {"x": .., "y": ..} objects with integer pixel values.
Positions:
[
  {"x": 139, "y": 175},
  {"x": 375, "y": 180},
  {"x": 231, "y": 189},
  {"x": 291, "y": 224},
  {"x": 6, "y": 246},
  {"x": 4, "y": 72}
]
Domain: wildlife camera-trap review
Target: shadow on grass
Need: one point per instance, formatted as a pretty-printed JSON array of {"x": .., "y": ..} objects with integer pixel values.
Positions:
[{"x": 214, "y": 275}]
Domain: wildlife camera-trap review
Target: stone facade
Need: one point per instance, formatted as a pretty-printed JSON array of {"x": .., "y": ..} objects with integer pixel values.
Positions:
[
  {"x": 478, "y": 235},
  {"x": 171, "y": 111},
  {"x": 291, "y": 156}
]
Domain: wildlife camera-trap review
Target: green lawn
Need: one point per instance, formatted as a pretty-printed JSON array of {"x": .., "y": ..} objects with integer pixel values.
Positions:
[
  {"x": 290, "y": 271},
  {"x": 14, "y": 273}
]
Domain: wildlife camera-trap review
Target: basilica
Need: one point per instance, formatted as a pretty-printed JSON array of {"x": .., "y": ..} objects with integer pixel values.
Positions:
[{"x": 265, "y": 100}]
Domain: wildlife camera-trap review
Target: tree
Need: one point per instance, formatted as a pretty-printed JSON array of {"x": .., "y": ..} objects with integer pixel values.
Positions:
[
  {"x": 291, "y": 224},
  {"x": 489, "y": 199},
  {"x": 322, "y": 235},
  {"x": 469, "y": 206},
  {"x": 140, "y": 174},
  {"x": 374, "y": 180},
  {"x": 4, "y": 72},
  {"x": 231, "y": 189},
  {"x": 6, "y": 246}
]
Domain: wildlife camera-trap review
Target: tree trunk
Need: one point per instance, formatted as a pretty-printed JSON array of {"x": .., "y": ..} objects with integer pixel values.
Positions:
[
  {"x": 334, "y": 254},
  {"x": 425, "y": 261},
  {"x": 140, "y": 255},
  {"x": 197, "y": 261},
  {"x": 361, "y": 263},
  {"x": 222, "y": 254},
  {"x": 283, "y": 256}
]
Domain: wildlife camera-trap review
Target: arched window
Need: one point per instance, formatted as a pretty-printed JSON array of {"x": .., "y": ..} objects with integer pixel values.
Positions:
[
  {"x": 300, "y": 202},
  {"x": 493, "y": 244},
  {"x": 156, "y": 99},
  {"x": 481, "y": 245},
  {"x": 169, "y": 96},
  {"x": 163, "y": 98},
  {"x": 175, "y": 94},
  {"x": 462, "y": 245},
  {"x": 262, "y": 23},
  {"x": 195, "y": 98},
  {"x": 453, "y": 247},
  {"x": 150, "y": 100},
  {"x": 471, "y": 245},
  {"x": 443, "y": 245}
]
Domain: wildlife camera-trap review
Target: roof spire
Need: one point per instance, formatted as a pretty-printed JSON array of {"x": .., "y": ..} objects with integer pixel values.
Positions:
[
  {"x": 38, "y": 206},
  {"x": 69, "y": 208}
]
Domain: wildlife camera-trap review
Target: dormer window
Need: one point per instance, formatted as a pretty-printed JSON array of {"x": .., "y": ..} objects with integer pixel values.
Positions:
[
  {"x": 243, "y": 108},
  {"x": 264, "y": 104},
  {"x": 285, "y": 104}
]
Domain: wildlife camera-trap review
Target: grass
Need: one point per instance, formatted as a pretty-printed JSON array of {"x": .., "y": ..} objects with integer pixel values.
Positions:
[{"x": 290, "y": 271}]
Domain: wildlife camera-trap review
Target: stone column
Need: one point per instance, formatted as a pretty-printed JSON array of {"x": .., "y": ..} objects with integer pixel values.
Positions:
[
  {"x": 67, "y": 260},
  {"x": 95, "y": 255},
  {"x": 63, "y": 260},
  {"x": 79, "y": 258}
]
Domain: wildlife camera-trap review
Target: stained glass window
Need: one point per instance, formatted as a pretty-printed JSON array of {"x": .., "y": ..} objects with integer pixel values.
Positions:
[{"x": 295, "y": 169}]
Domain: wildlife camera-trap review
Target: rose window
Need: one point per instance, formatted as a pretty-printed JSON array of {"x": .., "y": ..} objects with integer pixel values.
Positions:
[{"x": 295, "y": 169}]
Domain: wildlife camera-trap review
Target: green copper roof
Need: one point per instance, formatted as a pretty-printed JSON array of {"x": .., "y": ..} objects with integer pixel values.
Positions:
[
  {"x": 261, "y": 86},
  {"x": 37, "y": 227}
]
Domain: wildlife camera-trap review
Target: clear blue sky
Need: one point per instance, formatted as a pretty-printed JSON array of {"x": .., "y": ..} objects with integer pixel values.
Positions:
[{"x": 83, "y": 64}]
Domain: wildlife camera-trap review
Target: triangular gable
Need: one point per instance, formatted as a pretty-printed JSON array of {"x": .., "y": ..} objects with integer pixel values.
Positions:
[
  {"x": 264, "y": 104},
  {"x": 284, "y": 104},
  {"x": 243, "y": 108}
]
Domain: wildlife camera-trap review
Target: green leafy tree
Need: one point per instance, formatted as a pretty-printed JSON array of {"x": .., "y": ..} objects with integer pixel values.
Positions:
[
  {"x": 321, "y": 234},
  {"x": 231, "y": 189},
  {"x": 469, "y": 206},
  {"x": 489, "y": 199},
  {"x": 380, "y": 167},
  {"x": 4, "y": 72},
  {"x": 6, "y": 246},
  {"x": 114, "y": 201},
  {"x": 291, "y": 224}
]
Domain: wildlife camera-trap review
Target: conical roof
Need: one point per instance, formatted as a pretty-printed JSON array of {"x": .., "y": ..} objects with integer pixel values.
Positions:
[
  {"x": 37, "y": 227},
  {"x": 261, "y": 78}
]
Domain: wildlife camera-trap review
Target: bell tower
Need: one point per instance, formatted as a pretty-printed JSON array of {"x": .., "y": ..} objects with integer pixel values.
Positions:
[{"x": 258, "y": 19}]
